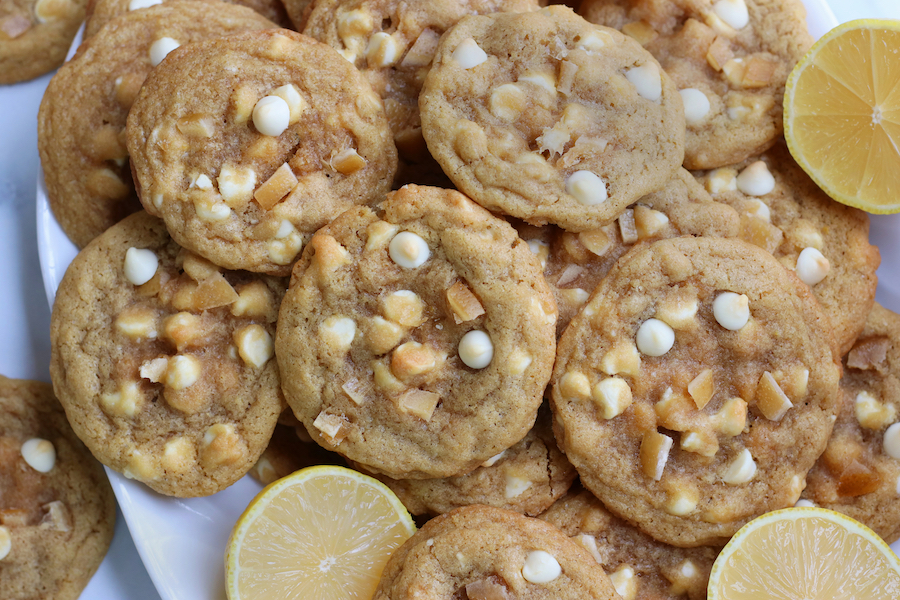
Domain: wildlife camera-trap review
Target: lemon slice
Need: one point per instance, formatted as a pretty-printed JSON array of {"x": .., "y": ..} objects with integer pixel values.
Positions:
[
  {"x": 324, "y": 532},
  {"x": 842, "y": 114},
  {"x": 805, "y": 554}
]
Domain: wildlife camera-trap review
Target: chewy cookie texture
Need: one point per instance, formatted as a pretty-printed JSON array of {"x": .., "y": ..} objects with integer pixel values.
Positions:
[{"x": 57, "y": 509}]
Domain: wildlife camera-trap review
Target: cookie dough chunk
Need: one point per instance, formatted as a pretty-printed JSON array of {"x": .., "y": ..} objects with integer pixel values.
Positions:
[
  {"x": 545, "y": 117},
  {"x": 100, "y": 12},
  {"x": 81, "y": 122},
  {"x": 35, "y": 36},
  {"x": 417, "y": 341},
  {"x": 859, "y": 472},
  {"x": 527, "y": 478},
  {"x": 393, "y": 42},
  {"x": 825, "y": 243},
  {"x": 639, "y": 567},
  {"x": 57, "y": 509},
  {"x": 244, "y": 164},
  {"x": 479, "y": 552},
  {"x": 574, "y": 263},
  {"x": 729, "y": 59},
  {"x": 696, "y": 388},
  {"x": 164, "y": 362}
]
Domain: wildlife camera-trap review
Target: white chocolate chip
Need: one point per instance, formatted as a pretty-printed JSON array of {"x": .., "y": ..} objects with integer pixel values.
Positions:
[
  {"x": 408, "y": 250},
  {"x": 741, "y": 470},
  {"x": 540, "y": 567},
  {"x": 476, "y": 349},
  {"x": 891, "y": 441},
  {"x": 574, "y": 385},
  {"x": 732, "y": 12},
  {"x": 140, "y": 265},
  {"x": 872, "y": 414},
  {"x": 211, "y": 210},
  {"x": 760, "y": 210},
  {"x": 804, "y": 503},
  {"x": 588, "y": 189},
  {"x": 338, "y": 332},
  {"x": 382, "y": 50},
  {"x": 183, "y": 371},
  {"x": 154, "y": 370},
  {"x": 612, "y": 396},
  {"x": 654, "y": 337},
  {"x": 696, "y": 105},
  {"x": 623, "y": 357},
  {"x": 290, "y": 94},
  {"x": 682, "y": 502},
  {"x": 732, "y": 311},
  {"x": 469, "y": 54},
  {"x": 380, "y": 233},
  {"x": 756, "y": 180},
  {"x": 39, "y": 454},
  {"x": 271, "y": 115},
  {"x": 518, "y": 362},
  {"x": 812, "y": 266},
  {"x": 544, "y": 80},
  {"x": 139, "y": 4},
  {"x": 201, "y": 182},
  {"x": 515, "y": 486},
  {"x": 507, "y": 102},
  {"x": 590, "y": 544},
  {"x": 646, "y": 79},
  {"x": 721, "y": 180},
  {"x": 161, "y": 48},
  {"x": 493, "y": 460},
  {"x": 594, "y": 41},
  {"x": 5, "y": 542},
  {"x": 124, "y": 403},
  {"x": 624, "y": 581},
  {"x": 255, "y": 345},
  {"x": 236, "y": 184}
]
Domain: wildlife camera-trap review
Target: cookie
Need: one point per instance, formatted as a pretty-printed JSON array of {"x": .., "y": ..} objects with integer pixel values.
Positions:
[
  {"x": 35, "y": 36},
  {"x": 825, "y": 243},
  {"x": 81, "y": 122},
  {"x": 527, "y": 478},
  {"x": 639, "y": 567},
  {"x": 245, "y": 164},
  {"x": 485, "y": 552},
  {"x": 859, "y": 472},
  {"x": 574, "y": 263},
  {"x": 163, "y": 361},
  {"x": 545, "y": 117},
  {"x": 100, "y": 12},
  {"x": 418, "y": 340},
  {"x": 729, "y": 60},
  {"x": 57, "y": 510},
  {"x": 696, "y": 388},
  {"x": 289, "y": 450},
  {"x": 392, "y": 43}
]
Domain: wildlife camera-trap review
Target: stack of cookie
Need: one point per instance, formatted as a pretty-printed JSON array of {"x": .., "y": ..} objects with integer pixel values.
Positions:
[{"x": 479, "y": 204}]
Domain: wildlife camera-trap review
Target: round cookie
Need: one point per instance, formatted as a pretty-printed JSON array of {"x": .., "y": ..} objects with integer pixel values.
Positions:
[
  {"x": 696, "y": 388},
  {"x": 163, "y": 361},
  {"x": 100, "y": 12},
  {"x": 35, "y": 36},
  {"x": 416, "y": 341},
  {"x": 392, "y": 43},
  {"x": 245, "y": 164},
  {"x": 485, "y": 552},
  {"x": 527, "y": 478},
  {"x": 859, "y": 472},
  {"x": 729, "y": 60},
  {"x": 826, "y": 243},
  {"x": 550, "y": 119},
  {"x": 639, "y": 567},
  {"x": 81, "y": 122},
  {"x": 57, "y": 510},
  {"x": 574, "y": 263},
  {"x": 289, "y": 450}
]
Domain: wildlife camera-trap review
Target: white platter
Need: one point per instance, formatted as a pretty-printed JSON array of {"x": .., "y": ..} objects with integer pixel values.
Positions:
[{"x": 182, "y": 542}]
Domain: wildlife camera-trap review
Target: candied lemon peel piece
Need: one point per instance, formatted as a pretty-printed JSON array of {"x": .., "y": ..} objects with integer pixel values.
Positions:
[{"x": 324, "y": 532}]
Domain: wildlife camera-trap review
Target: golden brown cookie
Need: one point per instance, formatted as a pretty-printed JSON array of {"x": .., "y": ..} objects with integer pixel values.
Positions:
[
  {"x": 639, "y": 567},
  {"x": 859, "y": 472},
  {"x": 35, "y": 36},
  {"x": 696, "y": 388},
  {"x": 527, "y": 478},
  {"x": 550, "y": 119},
  {"x": 418, "y": 340},
  {"x": 244, "y": 164},
  {"x": 81, "y": 122},
  {"x": 164, "y": 362},
  {"x": 484, "y": 552},
  {"x": 289, "y": 450},
  {"x": 57, "y": 509},
  {"x": 729, "y": 60},
  {"x": 825, "y": 243}
]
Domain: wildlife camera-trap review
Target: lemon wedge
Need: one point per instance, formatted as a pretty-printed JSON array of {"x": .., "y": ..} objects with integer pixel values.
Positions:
[
  {"x": 323, "y": 532},
  {"x": 805, "y": 554},
  {"x": 842, "y": 114}
]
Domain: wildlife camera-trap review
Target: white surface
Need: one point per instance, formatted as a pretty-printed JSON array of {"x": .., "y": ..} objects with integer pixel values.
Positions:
[{"x": 181, "y": 541}]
